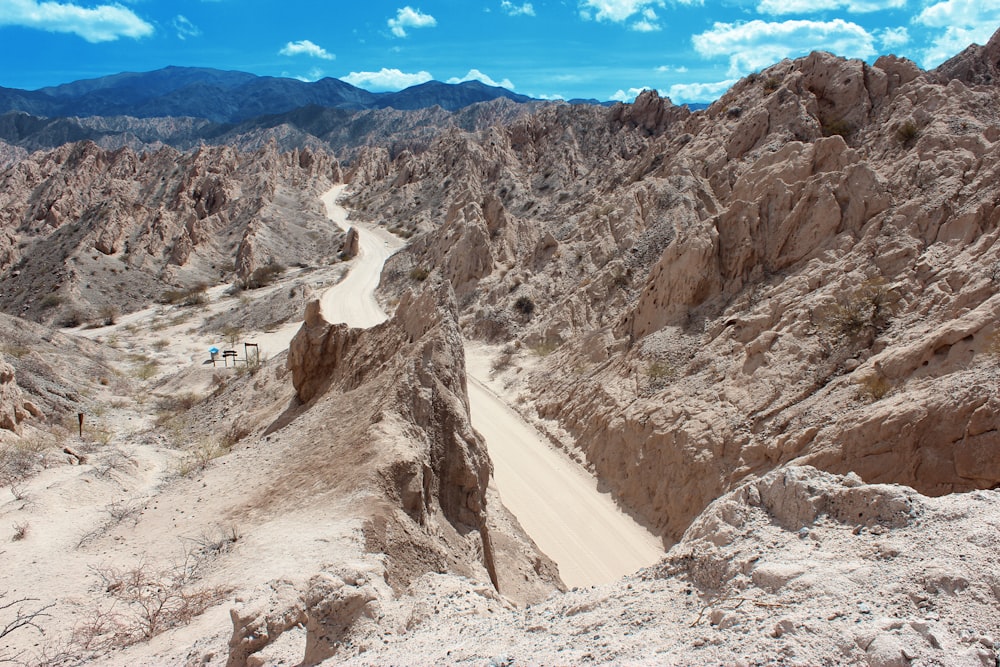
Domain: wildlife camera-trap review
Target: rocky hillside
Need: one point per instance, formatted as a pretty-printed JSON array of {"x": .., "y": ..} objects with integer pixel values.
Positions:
[
  {"x": 805, "y": 272},
  {"x": 86, "y": 233}
]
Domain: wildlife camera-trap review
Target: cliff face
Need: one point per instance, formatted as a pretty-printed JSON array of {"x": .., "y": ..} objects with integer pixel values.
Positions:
[
  {"x": 803, "y": 272},
  {"x": 83, "y": 229},
  {"x": 420, "y": 450}
]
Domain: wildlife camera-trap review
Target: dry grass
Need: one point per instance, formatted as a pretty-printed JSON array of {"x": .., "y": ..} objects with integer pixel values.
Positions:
[
  {"x": 873, "y": 388},
  {"x": 143, "y": 603}
]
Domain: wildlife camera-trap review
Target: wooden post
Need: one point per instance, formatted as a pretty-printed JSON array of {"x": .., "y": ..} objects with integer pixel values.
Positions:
[{"x": 79, "y": 417}]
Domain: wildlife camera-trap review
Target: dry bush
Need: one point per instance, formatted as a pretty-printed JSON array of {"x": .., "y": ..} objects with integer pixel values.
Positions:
[
  {"x": 17, "y": 615},
  {"x": 20, "y": 531},
  {"x": 191, "y": 296},
  {"x": 504, "y": 360},
  {"x": 873, "y": 387},
  {"x": 263, "y": 276},
  {"x": 21, "y": 459},
  {"x": 145, "y": 602},
  {"x": 866, "y": 312},
  {"x": 200, "y": 456}
]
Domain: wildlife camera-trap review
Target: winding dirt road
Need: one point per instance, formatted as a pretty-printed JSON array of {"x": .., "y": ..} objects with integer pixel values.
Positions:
[{"x": 555, "y": 500}]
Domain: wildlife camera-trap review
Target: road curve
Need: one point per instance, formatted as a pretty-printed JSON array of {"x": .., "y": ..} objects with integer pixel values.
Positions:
[{"x": 554, "y": 499}]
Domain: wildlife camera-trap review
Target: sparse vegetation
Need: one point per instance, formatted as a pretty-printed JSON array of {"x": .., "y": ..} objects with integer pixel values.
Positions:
[
  {"x": 419, "y": 274},
  {"x": 544, "y": 349},
  {"x": 263, "y": 276},
  {"x": 145, "y": 368},
  {"x": 51, "y": 301},
  {"x": 109, "y": 314},
  {"x": 838, "y": 126},
  {"x": 771, "y": 84},
  {"x": 504, "y": 360},
  {"x": 20, "y": 531},
  {"x": 17, "y": 615},
  {"x": 907, "y": 133},
  {"x": 874, "y": 387},
  {"x": 524, "y": 305},
  {"x": 198, "y": 458},
  {"x": 71, "y": 318},
  {"x": 145, "y": 603},
  {"x": 865, "y": 312},
  {"x": 21, "y": 459},
  {"x": 191, "y": 296}
]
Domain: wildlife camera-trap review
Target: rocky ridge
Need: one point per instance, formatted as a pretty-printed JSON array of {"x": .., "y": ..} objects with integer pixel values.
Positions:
[{"x": 796, "y": 567}]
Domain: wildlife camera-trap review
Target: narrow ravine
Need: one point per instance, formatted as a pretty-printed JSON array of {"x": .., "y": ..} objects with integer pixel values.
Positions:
[{"x": 556, "y": 501}]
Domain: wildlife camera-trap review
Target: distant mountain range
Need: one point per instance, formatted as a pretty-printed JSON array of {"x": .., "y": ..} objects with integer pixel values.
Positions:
[
  {"x": 188, "y": 106},
  {"x": 230, "y": 97}
]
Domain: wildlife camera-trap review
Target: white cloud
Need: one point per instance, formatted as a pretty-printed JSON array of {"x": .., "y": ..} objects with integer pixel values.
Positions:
[
  {"x": 616, "y": 10},
  {"x": 386, "y": 79},
  {"x": 184, "y": 27},
  {"x": 683, "y": 93},
  {"x": 756, "y": 44},
  {"x": 781, "y": 7},
  {"x": 527, "y": 9},
  {"x": 315, "y": 74},
  {"x": 307, "y": 48},
  {"x": 892, "y": 38},
  {"x": 103, "y": 23},
  {"x": 644, "y": 26},
  {"x": 407, "y": 17},
  {"x": 622, "y": 96},
  {"x": 964, "y": 21},
  {"x": 665, "y": 69},
  {"x": 476, "y": 75}
]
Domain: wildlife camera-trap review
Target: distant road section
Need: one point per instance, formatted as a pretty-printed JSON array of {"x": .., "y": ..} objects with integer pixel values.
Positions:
[{"x": 352, "y": 300}]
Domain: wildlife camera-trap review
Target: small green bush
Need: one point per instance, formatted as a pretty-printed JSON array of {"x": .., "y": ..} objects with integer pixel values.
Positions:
[{"x": 908, "y": 132}]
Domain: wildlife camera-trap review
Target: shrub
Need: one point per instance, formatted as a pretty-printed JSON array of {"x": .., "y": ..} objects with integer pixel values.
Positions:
[
  {"x": 109, "y": 313},
  {"x": 839, "y": 127},
  {"x": 866, "y": 310},
  {"x": 873, "y": 387},
  {"x": 419, "y": 274},
  {"x": 524, "y": 305},
  {"x": 191, "y": 296},
  {"x": 51, "y": 301},
  {"x": 907, "y": 133},
  {"x": 263, "y": 276},
  {"x": 71, "y": 318},
  {"x": 771, "y": 84}
]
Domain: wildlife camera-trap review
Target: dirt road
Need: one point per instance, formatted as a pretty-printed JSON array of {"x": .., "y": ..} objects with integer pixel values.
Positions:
[{"x": 555, "y": 500}]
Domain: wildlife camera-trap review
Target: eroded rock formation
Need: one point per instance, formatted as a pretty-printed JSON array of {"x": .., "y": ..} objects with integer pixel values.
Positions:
[
  {"x": 12, "y": 409},
  {"x": 83, "y": 229},
  {"x": 805, "y": 271}
]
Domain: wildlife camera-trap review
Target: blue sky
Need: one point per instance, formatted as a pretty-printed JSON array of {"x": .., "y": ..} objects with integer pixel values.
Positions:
[{"x": 606, "y": 49}]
